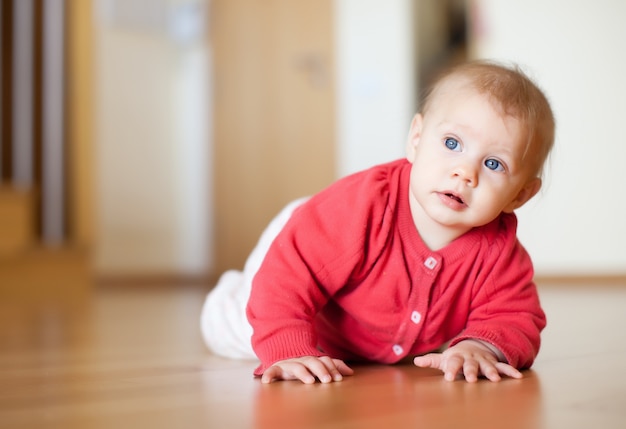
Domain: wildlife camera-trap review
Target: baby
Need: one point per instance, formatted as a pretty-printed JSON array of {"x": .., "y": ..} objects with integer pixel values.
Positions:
[{"x": 413, "y": 258}]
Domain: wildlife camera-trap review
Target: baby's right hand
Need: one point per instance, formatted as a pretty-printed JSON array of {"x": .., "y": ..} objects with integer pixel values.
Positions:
[{"x": 307, "y": 369}]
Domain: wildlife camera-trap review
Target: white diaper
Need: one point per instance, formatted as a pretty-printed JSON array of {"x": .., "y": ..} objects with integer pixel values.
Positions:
[{"x": 223, "y": 322}]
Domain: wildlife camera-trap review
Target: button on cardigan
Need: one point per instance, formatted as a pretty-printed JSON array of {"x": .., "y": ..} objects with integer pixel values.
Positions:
[{"x": 349, "y": 277}]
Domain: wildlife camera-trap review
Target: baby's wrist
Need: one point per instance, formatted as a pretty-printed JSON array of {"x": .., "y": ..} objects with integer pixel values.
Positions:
[{"x": 493, "y": 349}]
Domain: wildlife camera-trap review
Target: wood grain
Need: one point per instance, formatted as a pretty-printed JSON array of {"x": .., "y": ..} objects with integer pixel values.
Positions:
[{"x": 133, "y": 357}]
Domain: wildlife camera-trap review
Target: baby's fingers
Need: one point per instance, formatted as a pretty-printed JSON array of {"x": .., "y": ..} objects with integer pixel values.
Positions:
[
  {"x": 450, "y": 365},
  {"x": 471, "y": 370},
  {"x": 506, "y": 369},
  {"x": 493, "y": 371},
  {"x": 431, "y": 360},
  {"x": 307, "y": 369},
  {"x": 271, "y": 374},
  {"x": 336, "y": 367},
  {"x": 489, "y": 370},
  {"x": 343, "y": 368},
  {"x": 323, "y": 368},
  {"x": 288, "y": 371}
]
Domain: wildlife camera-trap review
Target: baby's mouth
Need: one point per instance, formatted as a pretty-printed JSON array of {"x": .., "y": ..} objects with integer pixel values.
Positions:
[{"x": 455, "y": 198}]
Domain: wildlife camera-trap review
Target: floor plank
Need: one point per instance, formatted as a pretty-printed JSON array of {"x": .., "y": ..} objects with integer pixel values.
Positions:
[{"x": 133, "y": 357}]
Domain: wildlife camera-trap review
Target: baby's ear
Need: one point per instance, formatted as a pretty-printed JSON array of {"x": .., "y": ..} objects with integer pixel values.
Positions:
[
  {"x": 528, "y": 191},
  {"x": 413, "y": 138}
]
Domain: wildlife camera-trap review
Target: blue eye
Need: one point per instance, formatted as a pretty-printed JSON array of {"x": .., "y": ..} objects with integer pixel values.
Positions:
[
  {"x": 452, "y": 144},
  {"x": 494, "y": 165}
]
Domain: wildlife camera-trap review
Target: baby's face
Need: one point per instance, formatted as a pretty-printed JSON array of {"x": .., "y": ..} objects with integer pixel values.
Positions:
[{"x": 468, "y": 161}]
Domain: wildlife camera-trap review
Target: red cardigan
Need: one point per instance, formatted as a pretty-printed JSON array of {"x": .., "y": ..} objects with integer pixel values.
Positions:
[{"x": 349, "y": 277}]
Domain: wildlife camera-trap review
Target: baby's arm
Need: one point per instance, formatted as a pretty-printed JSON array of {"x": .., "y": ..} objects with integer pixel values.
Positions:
[
  {"x": 470, "y": 358},
  {"x": 307, "y": 369}
]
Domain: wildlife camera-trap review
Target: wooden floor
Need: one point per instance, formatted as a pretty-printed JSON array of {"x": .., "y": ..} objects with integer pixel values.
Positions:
[{"x": 133, "y": 358}]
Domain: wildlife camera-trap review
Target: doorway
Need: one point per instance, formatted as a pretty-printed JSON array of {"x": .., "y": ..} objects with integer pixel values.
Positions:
[{"x": 274, "y": 130}]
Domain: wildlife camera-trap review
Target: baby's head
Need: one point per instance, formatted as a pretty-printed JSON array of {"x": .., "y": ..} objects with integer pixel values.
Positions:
[
  {"x": 478, "y": 148},
  {"x": 514, "y": 94}
]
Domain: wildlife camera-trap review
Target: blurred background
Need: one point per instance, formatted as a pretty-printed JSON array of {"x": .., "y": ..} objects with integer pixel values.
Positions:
[{"x": 152, "y": 140}]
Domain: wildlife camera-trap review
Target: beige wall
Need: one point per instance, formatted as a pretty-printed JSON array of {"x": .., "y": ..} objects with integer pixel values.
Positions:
[
  {"x": 376, "y": 78},
  {"x": 141, "y": 222},
  {"x": 145, "y": 194},
  {"x": 575, "y": 49},
  {"x": 152, "y": 147}
]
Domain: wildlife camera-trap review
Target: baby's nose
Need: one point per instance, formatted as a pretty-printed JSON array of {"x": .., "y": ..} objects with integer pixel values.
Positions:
[{"x": 468, "y": 173}]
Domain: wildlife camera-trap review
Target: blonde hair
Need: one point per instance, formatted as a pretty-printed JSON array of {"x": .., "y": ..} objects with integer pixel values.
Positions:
[{"x": 515, "y": 93}]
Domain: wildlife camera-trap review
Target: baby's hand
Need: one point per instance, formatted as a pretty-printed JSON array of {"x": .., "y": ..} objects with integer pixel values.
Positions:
[
  {"x": 470, "y": 358},
  {"x": 307, "y": 369}
]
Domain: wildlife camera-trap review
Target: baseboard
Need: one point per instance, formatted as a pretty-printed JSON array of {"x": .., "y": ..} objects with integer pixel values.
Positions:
[
  {"x": 46, "y": 273},
  {"x": 155, "y": 280},
  {"x": 17, "y": 222},
  {"x": 617, "y": 280}
]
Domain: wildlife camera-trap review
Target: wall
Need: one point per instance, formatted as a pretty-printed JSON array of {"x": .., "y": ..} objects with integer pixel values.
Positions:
[
  {"x": 575, "y": 51},
  {"x": 152, "y": 124},
  {"x": 375, "y": 81},
  {"x": 152, "y": 186},
  {"x": 152, "y": 155}
]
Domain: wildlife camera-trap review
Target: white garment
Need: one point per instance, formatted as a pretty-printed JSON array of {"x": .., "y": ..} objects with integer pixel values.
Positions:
[{"x": 225, "y": 327}]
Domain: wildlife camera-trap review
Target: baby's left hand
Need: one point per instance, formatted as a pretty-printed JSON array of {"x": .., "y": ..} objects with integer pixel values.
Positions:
[{"x": 470, "y": 358}]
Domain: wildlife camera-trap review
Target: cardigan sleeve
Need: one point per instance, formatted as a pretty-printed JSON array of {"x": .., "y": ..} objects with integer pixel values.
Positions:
[
  {"x": 505, "y": 311},
  {"x": 326, "y": 241}
]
